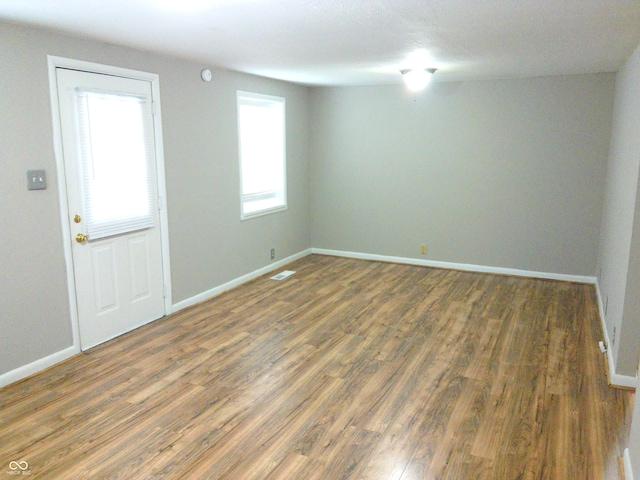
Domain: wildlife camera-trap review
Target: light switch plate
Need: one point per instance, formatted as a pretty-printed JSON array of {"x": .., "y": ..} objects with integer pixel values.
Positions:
[{"x": 37, "y": 180}]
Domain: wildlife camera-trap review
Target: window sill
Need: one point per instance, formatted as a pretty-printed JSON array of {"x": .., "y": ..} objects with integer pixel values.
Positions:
[{"x": 262, "y": 212}]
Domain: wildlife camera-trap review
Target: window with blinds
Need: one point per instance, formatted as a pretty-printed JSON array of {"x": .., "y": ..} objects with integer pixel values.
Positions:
[{"x": 116, "y": 143}]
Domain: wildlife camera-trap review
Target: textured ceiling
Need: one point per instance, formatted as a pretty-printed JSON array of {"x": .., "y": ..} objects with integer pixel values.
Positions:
[{"x": 358, "y": 42}]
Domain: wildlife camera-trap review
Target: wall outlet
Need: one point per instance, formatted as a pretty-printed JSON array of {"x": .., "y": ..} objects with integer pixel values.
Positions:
[
  {"x": 603, "y": 347},
  {"x": 423, "y": 248},
  {"x": 273, "y": 253}
]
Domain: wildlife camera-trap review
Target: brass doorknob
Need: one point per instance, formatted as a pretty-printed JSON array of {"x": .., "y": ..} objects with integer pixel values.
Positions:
[{"x": 81, "y": 238}]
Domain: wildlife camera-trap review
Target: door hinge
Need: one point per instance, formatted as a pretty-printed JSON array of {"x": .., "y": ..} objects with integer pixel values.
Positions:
[{"x": 159, "y": 203}]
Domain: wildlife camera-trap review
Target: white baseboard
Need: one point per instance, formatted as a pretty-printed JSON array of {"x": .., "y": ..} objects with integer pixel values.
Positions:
[
  {"x": 46, "y": 362},
  {"x": 238, "y": 281},
  {"x": 457, "y": 266},
  {"x": 626, "y": 461},
  {"x": 37, "y": 366},
  {"x": 616, "y": 380}
]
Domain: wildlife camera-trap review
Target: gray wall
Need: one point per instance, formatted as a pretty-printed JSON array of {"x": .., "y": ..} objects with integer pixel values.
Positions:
[
  {"x": 209, "y": 244},
  {"x": 34, "y": 306},
  {"x": 619, "y": 254},
  {"x": 506, "y": 173},
  {"x": 619, "y": 251}
]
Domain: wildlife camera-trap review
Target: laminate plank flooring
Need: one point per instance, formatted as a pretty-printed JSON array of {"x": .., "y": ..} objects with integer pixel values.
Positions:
[{"x": 348, "y": 369}]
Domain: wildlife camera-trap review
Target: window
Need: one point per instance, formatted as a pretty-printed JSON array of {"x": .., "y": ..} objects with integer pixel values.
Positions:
[
  {"x": 261, "y": 132},
  {"x": 116, "y": 156}
]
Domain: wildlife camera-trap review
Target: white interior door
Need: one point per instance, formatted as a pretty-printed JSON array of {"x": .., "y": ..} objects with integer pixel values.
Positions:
[{"x": 112, "y": 195}]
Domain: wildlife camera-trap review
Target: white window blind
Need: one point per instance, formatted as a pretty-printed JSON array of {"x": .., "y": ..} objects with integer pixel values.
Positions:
[
  {"x": 116, "y": 155},
  {"x": 261, "y": 131}
]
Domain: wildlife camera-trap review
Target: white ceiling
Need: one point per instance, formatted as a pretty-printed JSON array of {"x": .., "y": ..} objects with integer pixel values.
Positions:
[{"x": 358, "y": 42}]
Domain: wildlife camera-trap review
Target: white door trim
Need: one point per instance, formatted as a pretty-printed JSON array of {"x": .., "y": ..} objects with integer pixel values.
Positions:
[{"x": 56, "y": 62}]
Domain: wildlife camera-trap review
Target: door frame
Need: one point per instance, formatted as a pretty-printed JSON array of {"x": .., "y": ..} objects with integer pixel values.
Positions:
[{"x": 54, "y": 62}]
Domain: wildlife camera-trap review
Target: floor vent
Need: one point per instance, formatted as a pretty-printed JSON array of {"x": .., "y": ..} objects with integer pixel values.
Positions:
[{"x": 283, "y": 275}]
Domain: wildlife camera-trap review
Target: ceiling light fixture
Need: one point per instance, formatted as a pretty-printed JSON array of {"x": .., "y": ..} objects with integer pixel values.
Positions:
[{"x": 417, "y": 79}]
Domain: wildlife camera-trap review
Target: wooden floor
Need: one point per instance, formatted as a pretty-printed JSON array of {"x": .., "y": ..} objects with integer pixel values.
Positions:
[{"x": 347, "y": 369}]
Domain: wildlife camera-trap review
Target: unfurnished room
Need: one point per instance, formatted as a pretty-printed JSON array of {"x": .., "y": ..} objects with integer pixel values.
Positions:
[{"x": 318, "y": 239}]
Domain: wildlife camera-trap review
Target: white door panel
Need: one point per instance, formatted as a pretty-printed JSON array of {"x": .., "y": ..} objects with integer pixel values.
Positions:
[
  {"x": 104, "y": 278},
  {"x": 118, "y": 276},
  {"x": 139, "y": 268}
]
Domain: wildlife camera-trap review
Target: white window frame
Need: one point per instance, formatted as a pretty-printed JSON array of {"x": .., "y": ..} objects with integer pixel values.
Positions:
[{"x": 279, "y": 195}]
